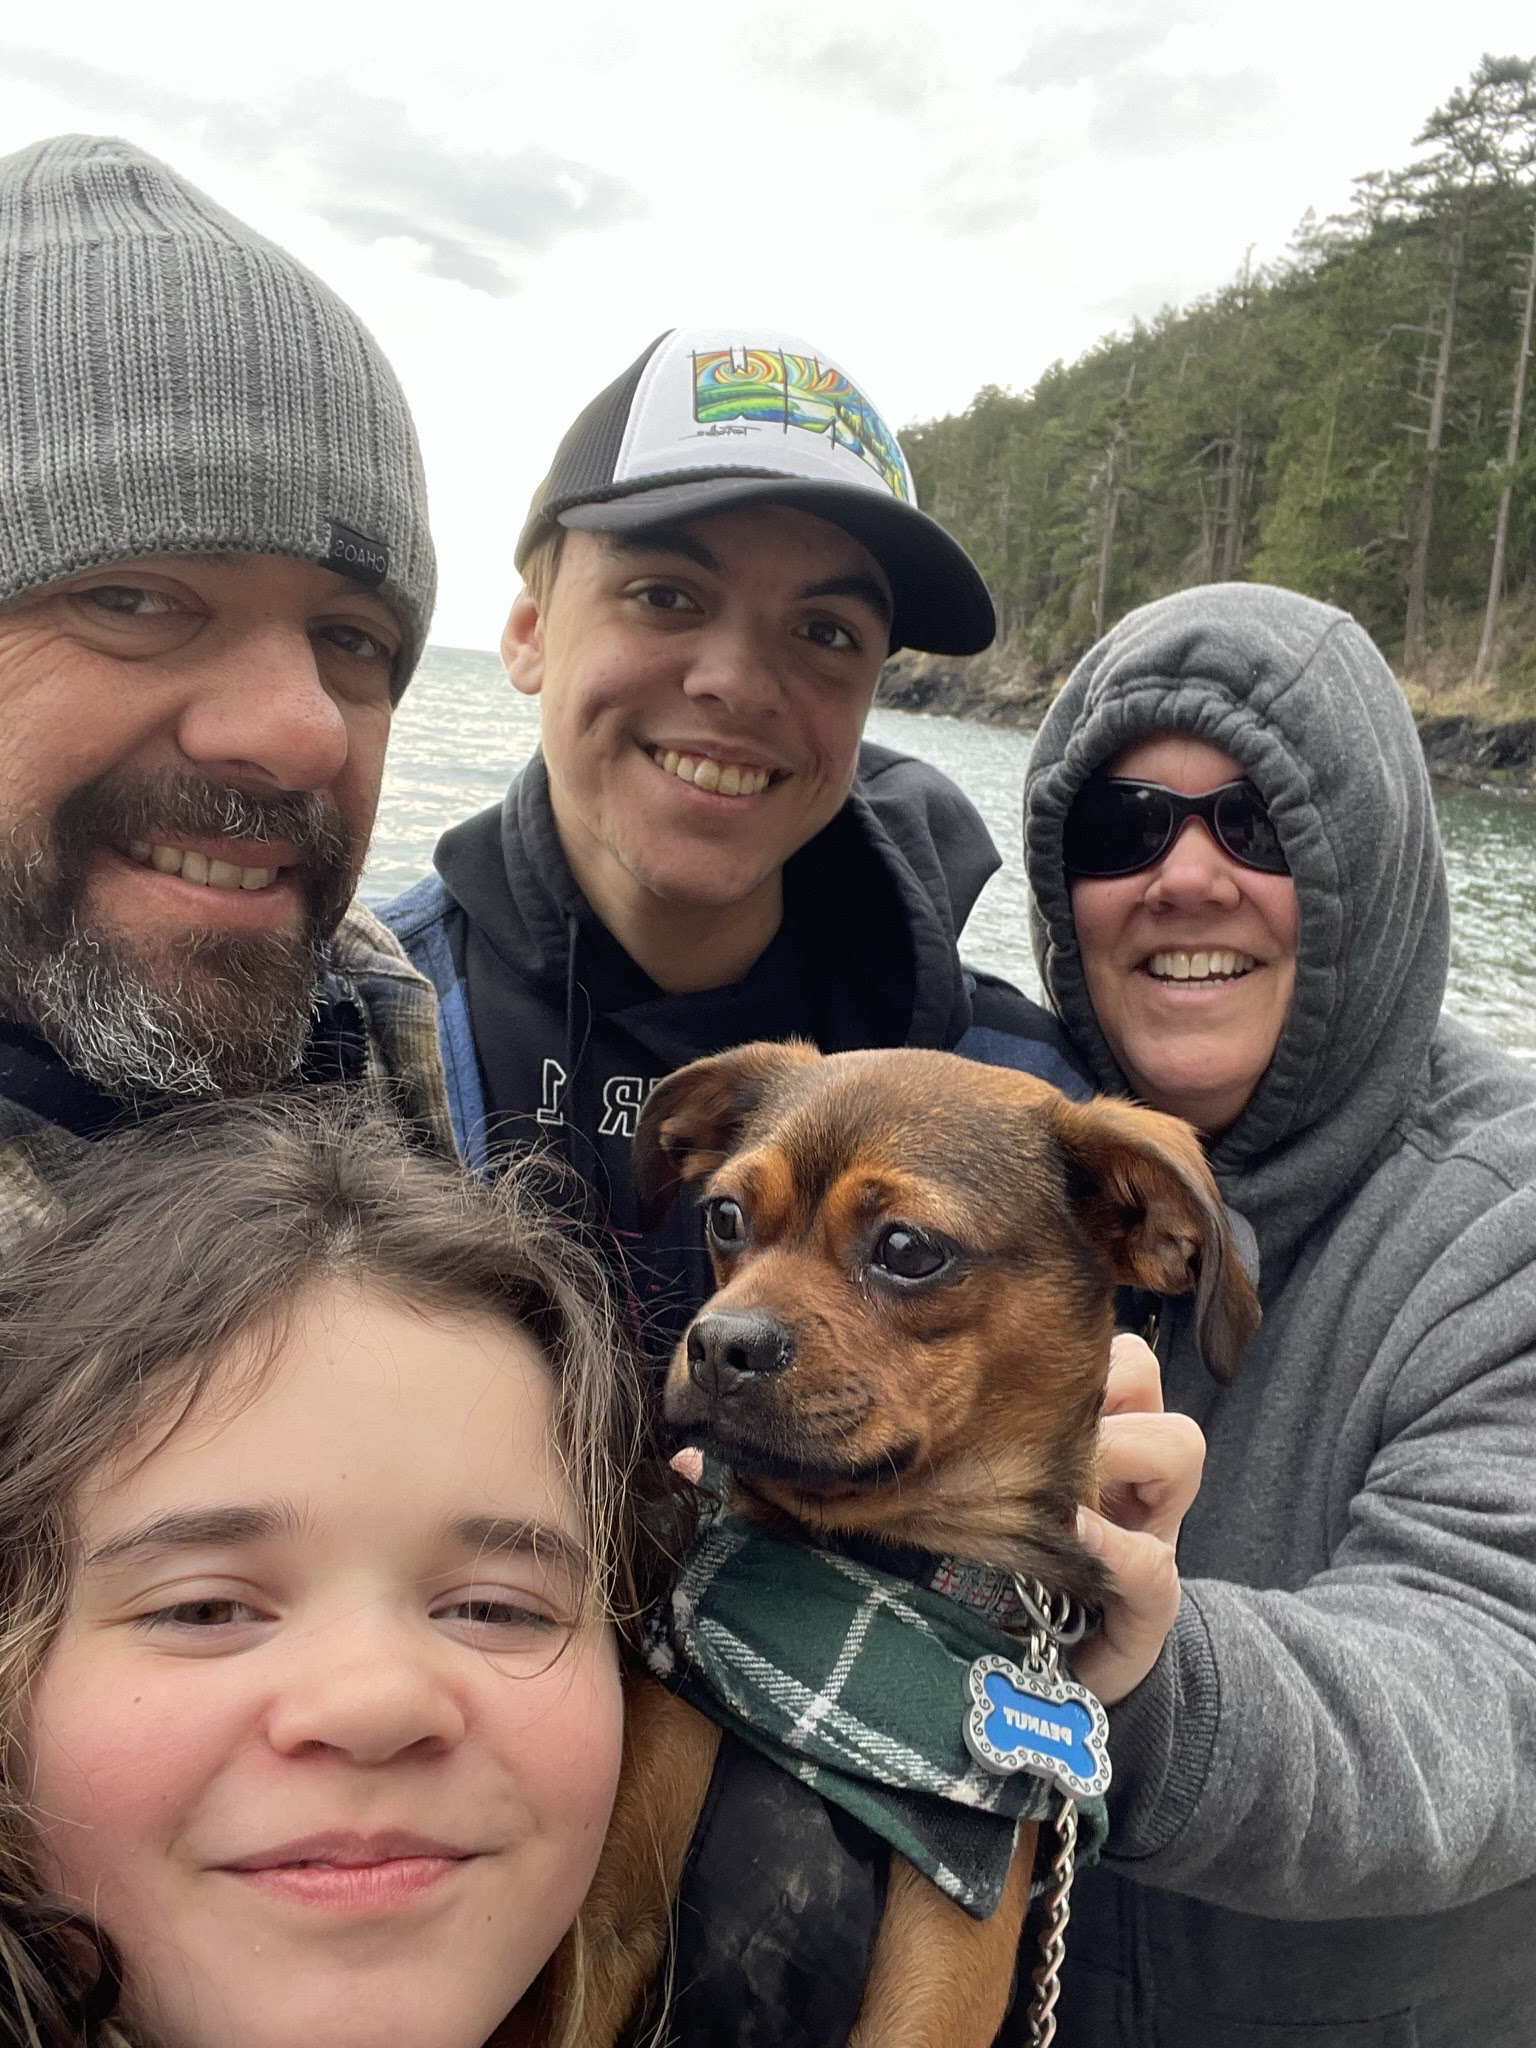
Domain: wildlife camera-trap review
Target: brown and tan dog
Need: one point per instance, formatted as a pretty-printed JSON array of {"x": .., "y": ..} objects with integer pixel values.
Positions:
[{"x": 917, "y": 1258}]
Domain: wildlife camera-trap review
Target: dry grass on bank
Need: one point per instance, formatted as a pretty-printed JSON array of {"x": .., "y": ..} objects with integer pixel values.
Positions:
[
  {"x": 1444, "y": 687},
  {"x": 1006, "y": 686}
]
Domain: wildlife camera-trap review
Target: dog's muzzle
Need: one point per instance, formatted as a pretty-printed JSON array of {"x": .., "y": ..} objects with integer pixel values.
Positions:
[{"x": 729, "y": 1349}]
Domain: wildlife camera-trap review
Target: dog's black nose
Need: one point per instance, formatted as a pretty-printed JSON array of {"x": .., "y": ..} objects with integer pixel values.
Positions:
[{"x": 728, "y": 1347}]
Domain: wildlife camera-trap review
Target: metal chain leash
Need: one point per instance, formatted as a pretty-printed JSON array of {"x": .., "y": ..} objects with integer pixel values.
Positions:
[
  {"x": 1055, "y": 1621},
  {"x": 1053, "y": 1934}
]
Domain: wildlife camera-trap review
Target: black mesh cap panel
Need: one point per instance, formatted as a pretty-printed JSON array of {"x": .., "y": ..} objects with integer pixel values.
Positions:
[{"x": 585, "y": 460}]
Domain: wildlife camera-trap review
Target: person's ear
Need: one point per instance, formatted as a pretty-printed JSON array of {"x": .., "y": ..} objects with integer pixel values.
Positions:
[
  {"x": 1145, "y": 1195},
  {"x": 694, "y": 1119},
  {"x": 522, "y": 644}
]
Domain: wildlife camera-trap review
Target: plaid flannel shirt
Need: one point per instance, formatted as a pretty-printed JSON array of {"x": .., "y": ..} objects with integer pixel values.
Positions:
[{"x": 403, "y": 1069}]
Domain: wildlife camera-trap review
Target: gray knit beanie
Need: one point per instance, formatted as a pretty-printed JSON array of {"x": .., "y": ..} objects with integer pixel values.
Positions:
[{"x": 173, "y": 384}]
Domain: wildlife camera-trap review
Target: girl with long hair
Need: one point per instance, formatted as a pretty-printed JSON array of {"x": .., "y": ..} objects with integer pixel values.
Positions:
[{"x": 316, "y": 1542}]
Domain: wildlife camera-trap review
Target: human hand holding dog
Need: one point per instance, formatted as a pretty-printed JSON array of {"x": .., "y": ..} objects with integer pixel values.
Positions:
[{"x": 1149, "y": 1473}]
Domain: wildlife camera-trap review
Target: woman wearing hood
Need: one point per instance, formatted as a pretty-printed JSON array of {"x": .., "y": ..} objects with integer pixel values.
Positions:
[{"x": 1324, "y": 1808}]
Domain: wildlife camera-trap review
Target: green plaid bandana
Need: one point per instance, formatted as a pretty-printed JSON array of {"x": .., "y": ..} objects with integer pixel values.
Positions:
[{"x": 856, "y": 1682}]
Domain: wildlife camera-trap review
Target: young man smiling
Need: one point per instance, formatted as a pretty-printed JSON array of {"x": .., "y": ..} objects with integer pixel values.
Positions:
[
  {"x": 215, "y": 580},
  {"x": 701, "y": 853}
]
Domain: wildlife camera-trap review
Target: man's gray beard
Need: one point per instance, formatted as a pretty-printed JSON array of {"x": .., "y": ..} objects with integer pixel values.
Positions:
[
  {"x": 205, "y": 1014},
  {"x": 217, "y": 1026}
]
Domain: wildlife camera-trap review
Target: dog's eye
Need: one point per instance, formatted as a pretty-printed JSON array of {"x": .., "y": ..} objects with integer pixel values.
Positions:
[
  {"x": 725, "y": 1222},
  {"x": 908, "y": 1254}
]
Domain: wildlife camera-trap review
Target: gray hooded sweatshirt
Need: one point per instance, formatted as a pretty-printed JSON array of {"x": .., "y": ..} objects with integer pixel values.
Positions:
[{"x": 1324, "y": 1810}]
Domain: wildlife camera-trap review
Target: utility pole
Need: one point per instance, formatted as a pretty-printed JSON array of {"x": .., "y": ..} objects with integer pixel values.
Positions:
[
  {"x": 1511, "y": 455},
  {"x": 1424, "y": 510}
]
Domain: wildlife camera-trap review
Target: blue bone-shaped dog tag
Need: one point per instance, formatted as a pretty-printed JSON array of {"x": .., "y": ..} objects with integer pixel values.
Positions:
[{"x": 1024, "y": 1721}]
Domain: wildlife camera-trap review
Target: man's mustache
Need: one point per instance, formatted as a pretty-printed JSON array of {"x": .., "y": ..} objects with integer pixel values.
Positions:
[{"x": 116, "y": 810}]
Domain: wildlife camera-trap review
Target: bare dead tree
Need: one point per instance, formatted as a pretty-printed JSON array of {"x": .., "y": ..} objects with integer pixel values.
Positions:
[
  {"x": 1422, "y": 523},
  {"x": 1112, "y": 491},
  {"x": 1236, "y": 498},
  {"x": 1482, "y": 134},
  {"x": 1511, "y": 456}
]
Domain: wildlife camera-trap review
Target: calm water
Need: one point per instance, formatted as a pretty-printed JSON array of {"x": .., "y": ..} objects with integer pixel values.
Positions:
[{"x": 462, "y": 730}]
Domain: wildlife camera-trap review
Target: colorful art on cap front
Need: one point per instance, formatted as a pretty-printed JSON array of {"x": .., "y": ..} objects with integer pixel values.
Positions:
[{"x": 771, "y": 386}]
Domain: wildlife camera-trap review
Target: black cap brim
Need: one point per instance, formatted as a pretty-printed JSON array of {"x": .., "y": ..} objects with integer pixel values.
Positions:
[{"x": 941, "y": 604}]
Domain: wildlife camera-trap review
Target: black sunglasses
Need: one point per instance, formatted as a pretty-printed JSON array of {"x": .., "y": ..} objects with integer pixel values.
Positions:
[{"x": 1119, "y": 827}]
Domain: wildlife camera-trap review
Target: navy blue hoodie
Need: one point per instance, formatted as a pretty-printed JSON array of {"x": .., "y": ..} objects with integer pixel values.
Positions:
[{"x": 552, "y": 1035}]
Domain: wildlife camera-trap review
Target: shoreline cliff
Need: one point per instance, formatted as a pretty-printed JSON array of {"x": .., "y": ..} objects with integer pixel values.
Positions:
[{"x": 999, "y": 688}]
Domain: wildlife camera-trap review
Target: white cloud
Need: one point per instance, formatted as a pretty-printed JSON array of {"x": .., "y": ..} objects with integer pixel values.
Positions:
[
  {"x": 1150, "y": 113},
  {"x": 988, "y": 187},
  {"x": 859, "y": 171},
  {"x": 471, "y": 212},
  {"x": 889, "y": 67},
  {"x": 1074, "y": 55}
]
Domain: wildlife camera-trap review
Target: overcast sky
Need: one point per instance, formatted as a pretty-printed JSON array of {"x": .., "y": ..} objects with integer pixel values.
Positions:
[{"x": 944, "y": 194}]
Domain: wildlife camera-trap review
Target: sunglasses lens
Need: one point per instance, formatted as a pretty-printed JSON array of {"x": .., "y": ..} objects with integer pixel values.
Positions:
[
  {"x": 1244, "y": 828},
  {"x": 1114, "y": 828}
]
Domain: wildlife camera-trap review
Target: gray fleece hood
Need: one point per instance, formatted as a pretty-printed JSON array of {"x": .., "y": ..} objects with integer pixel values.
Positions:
[{"x": 1297, "y": 693}]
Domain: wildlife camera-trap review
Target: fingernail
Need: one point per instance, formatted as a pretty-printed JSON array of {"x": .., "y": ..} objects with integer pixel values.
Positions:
[
  {"x": 690, "y": 1465},
  {"x": 1090, "y": 1533}
]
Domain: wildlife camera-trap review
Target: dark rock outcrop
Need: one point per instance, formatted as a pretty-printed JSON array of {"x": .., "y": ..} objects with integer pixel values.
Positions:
[
  {"x": 1499, "y": 756},
  {"x": 992, "y": 689}
]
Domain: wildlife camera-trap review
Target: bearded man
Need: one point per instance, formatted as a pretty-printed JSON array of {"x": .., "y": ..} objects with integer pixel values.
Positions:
[{"x": 215, "y": 581}]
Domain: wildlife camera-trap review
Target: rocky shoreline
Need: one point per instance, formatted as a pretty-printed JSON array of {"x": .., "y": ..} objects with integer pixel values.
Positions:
[
  {"x": 992, "y": 689},
  {"x": 1495, "y": 757}
]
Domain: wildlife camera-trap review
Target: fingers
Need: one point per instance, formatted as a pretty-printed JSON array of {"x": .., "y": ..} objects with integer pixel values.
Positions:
[
  {"x": 1149, "y": 1469},
  {"x": 1141, "y": 1609},
  {"x": 1135, "y": 1381}
]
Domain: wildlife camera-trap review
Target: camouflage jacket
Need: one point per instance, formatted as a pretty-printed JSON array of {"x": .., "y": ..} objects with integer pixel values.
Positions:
[{"x": 403, "y": 1068}]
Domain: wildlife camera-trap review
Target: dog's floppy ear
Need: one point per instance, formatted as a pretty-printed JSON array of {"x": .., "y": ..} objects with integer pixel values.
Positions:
[
  {"x": 1144, "y": 1193},
  {"x": 693, "y": 1119}
]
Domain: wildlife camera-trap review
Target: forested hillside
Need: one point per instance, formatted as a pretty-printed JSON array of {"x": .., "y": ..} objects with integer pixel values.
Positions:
[{"x": 1340, "y": 422}]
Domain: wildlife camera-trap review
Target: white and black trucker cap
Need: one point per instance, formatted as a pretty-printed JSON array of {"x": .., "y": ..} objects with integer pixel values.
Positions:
[{"x": 708, "y": 418}]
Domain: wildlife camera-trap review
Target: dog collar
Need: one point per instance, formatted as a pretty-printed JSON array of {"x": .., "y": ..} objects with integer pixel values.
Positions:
[
  {"x": 867, "y": 1685},
  {"x": 1019, "y": 1606}
]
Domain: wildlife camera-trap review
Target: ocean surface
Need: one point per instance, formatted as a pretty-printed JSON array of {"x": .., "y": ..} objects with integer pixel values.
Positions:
[{"x": 461, "y": 731}]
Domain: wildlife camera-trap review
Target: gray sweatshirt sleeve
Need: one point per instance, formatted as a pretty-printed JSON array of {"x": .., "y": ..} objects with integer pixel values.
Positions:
[{"x": 1365, "y": 1744}]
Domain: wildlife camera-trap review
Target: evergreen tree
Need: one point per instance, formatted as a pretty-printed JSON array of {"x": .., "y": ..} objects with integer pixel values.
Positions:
[{"x": 1284, "y": 428}]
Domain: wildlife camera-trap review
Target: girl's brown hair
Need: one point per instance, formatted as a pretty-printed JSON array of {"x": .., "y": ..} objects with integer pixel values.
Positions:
[{"x": 173, "y": 1243}]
